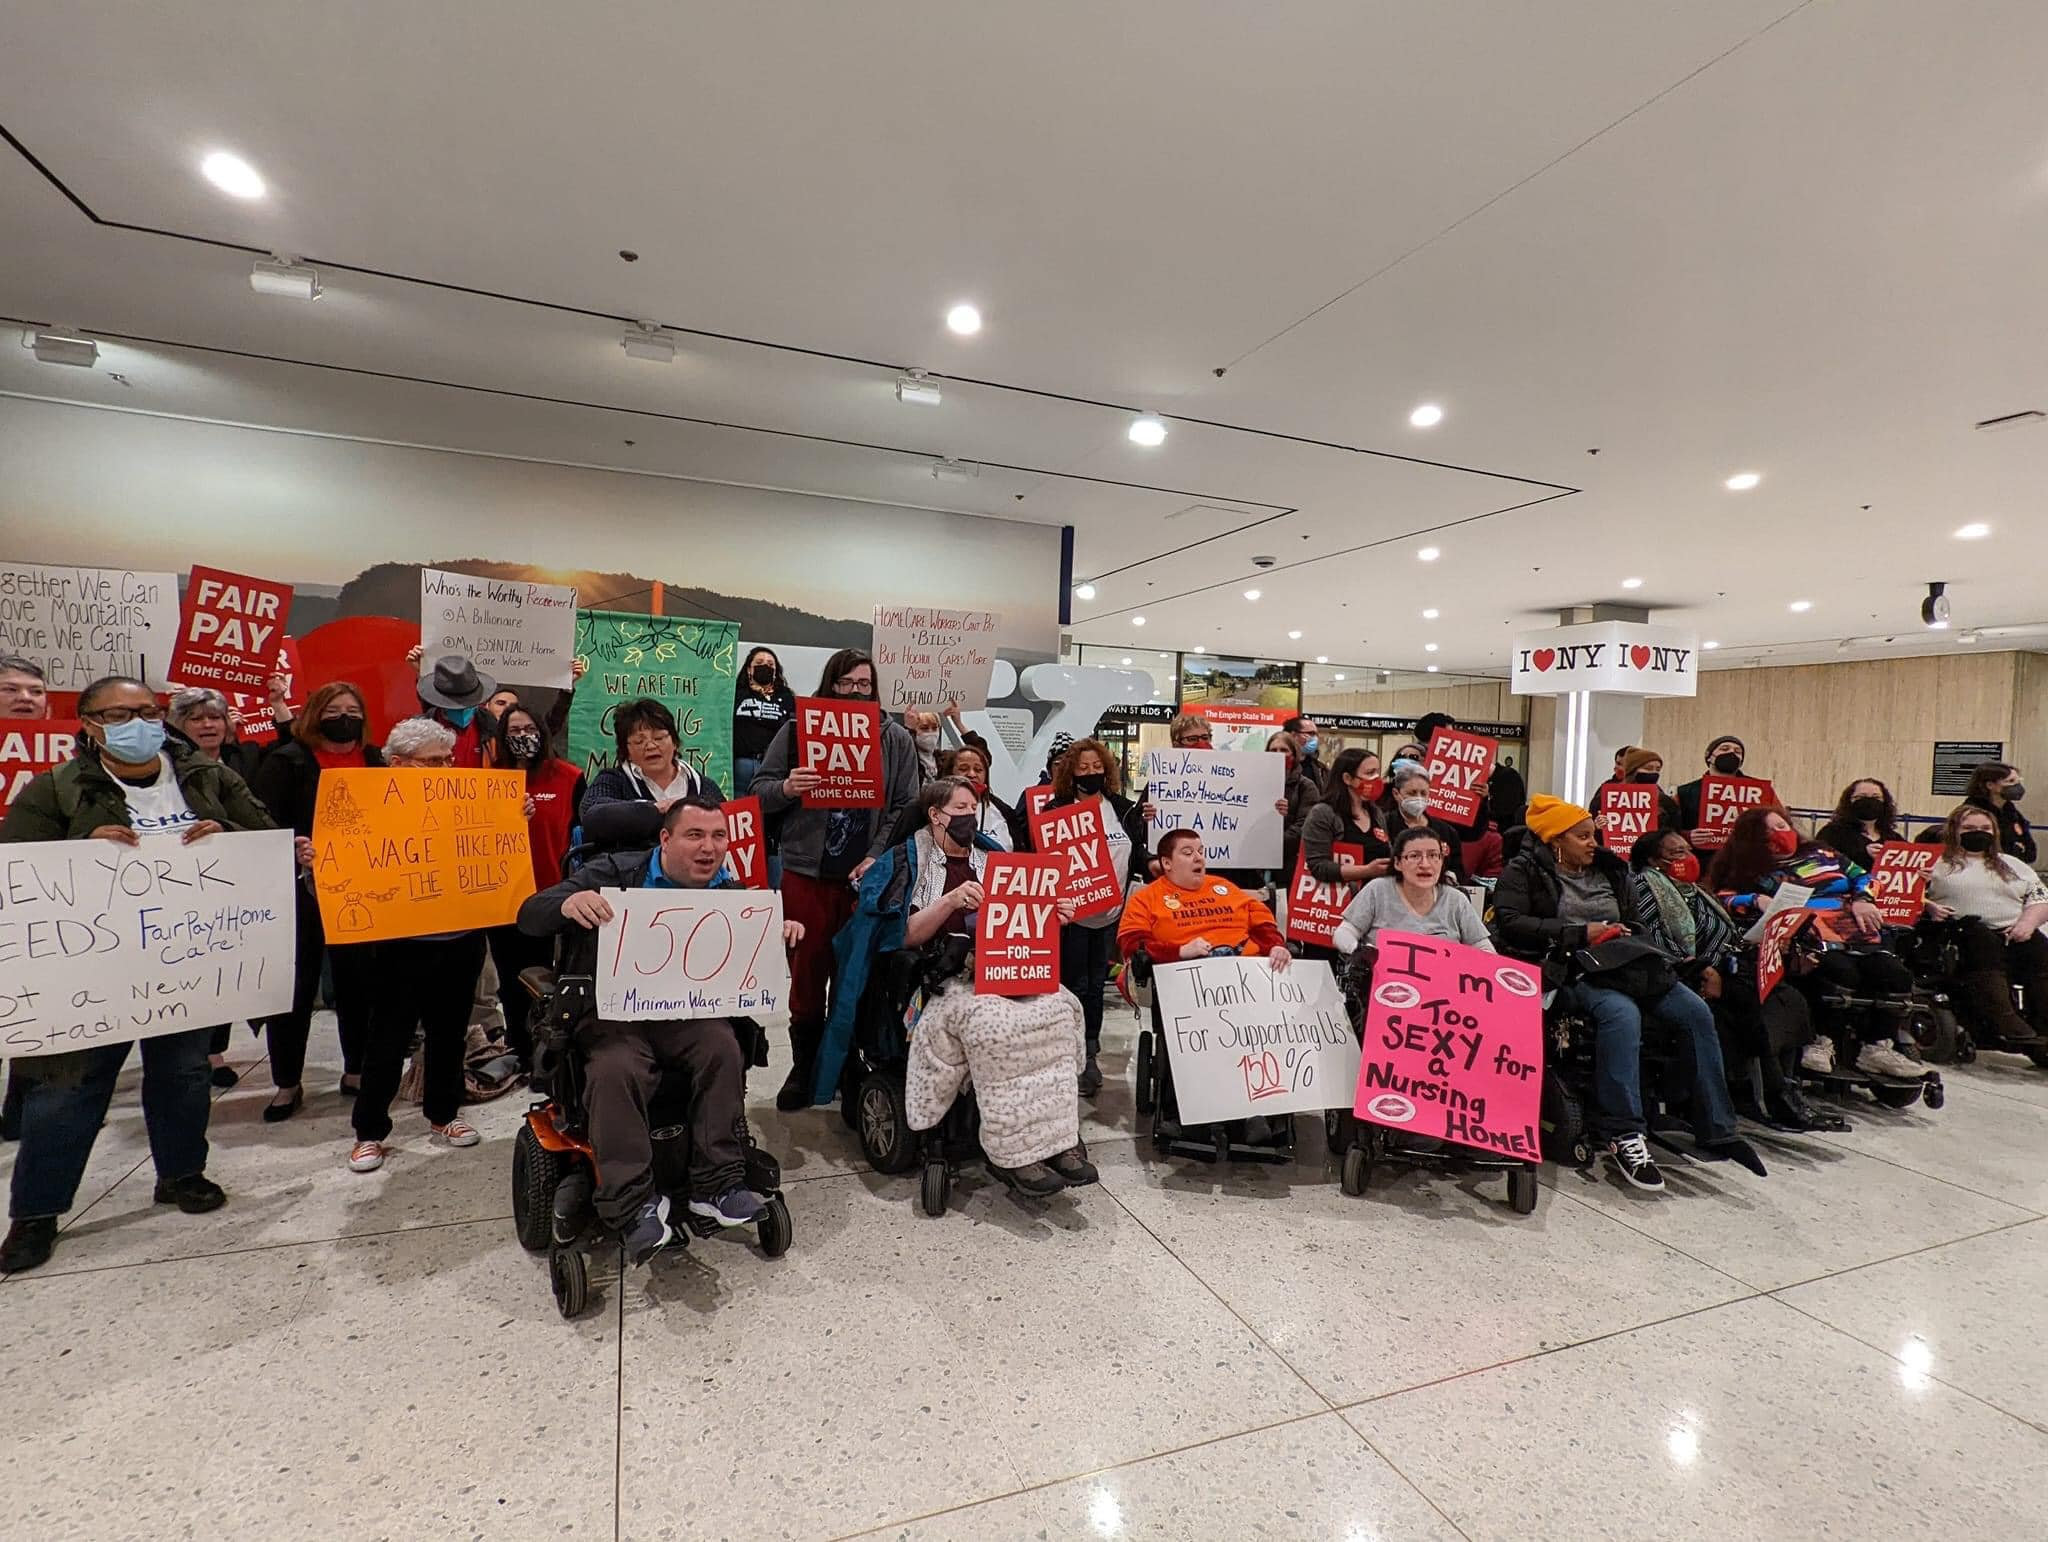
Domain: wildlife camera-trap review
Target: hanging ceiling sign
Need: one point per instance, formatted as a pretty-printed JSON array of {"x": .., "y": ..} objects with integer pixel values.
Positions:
[{"x": 1623, "y": 658}]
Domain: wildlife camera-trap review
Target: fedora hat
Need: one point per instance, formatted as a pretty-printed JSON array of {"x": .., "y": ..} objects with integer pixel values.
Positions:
[{"x": 455, "y": 682}]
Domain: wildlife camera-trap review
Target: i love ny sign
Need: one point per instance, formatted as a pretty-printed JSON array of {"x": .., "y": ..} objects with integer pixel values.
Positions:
[{"x": 1626, "y": 658}]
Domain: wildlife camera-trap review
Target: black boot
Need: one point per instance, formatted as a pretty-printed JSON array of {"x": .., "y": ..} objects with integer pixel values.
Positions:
[
  {"x": 1091, "y": 1075},
  {"x": 28, "y": 1244},
  {"x": 803, "y": 1070}
]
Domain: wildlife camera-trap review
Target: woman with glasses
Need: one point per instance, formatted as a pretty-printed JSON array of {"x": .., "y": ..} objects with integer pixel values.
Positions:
[
  {"x": 1412, "y": 898},
  {"x": 623, "y": 808},
  {"x": 129, "y": 787}
]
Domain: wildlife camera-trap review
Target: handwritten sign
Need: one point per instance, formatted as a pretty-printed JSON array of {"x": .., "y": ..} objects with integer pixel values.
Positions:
[
  {"x": 1459, "y": 765},
  {"x": 101, "y": 944},
  {"x": 28, "y": 748},
  {"x": 1453, "y": 1045},
  {"x": 1722, "y": 801},
  {"x": 746, "y": 853},
  {"x": 682, "y": 953},
  {"x": 516, "y": 632},
  {"x": 78, "y": 624},
  {"x": 1779, "y": 928},
  {"x": 926, "y": 657},
  {"x": 404, "y": 851},
  {"x": 1078, "y": 836},
  {"x": 1227, "y": 797},
  {"x": 1314, "y": 908},
  {"x": 1246, "y": 1039},
  {"x": 841, "y": 740},
  {"x": 1628, "y": 811},
  {"x": 1898, "y": 879},
  {"x": 1017, "y": 930},
  {"x": 687, "y": 665},
  {"x": 231, "y": 628}
]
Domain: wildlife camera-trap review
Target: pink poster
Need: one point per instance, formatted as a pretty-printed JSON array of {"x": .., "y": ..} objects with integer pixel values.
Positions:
[{"x": 1454, "y": 1045}]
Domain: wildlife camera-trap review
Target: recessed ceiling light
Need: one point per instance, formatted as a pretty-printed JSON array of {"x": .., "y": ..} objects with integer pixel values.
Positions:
[
  {"x": 1431, "y": 668},
  {"x": 1973, "y": 532},
  {"x": 232, "y": 175},
  {"x": 1631, "y": 583},
  {"x": 1137, "y": 621},
  {"x": 1127, "y": 659},
  {"x": 1709, "y": 643},
  {"x": 1148, "y": 430},
  {"x": 964, "y": 319},
  {"x": 1337, "y": 677},
  {"x": 1428, "y": 554},
  {"x": 1294, "y": 636},
  {"x": 1084, "y": 591},
  {"x": 1166, "y": 655},
  {"x": 1743, "y": 481},
  {"x": 1428, "y": 415},
  {"x": 1429, "y": 647},
  {"x": 1251, "y": 594},
  {"x": 1322, "y": 658},
  {"x": 1431, "y": 614},
  {"x": 1802, "y": 605},
  {"x": 1201, "y": 647}
]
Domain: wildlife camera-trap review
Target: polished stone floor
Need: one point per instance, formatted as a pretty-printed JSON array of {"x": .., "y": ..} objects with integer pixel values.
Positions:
[{"x": 1852, "y": 1348}]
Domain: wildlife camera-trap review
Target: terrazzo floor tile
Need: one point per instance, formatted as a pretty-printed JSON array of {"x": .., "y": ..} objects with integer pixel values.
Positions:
[{"x": 1982, "y": 1141}]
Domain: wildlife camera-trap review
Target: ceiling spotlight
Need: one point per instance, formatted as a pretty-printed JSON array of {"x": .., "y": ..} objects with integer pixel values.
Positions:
[
  {"x": 1201, "y": 647},
  {"x": 1430, "y": 667},
  {"x": 1709, "y": 643},
  {"x": 1428, "y": 554},
  {"x": 646, "y": 340},
  {"x": 1973, "y": 532},
  {"x": 1428, "y": 415},
  {"x": 964, "y": 319},
  {"x": 1148, "y": 429},
  {"x": 1252, "y": 594},
  {"x": 232, "y": 175},
  {"x": 286, "y": 277},
  {"x": 1137, "y": 621},
  {"x": 62, "y": 348},
  {"x": 1294, "y": 636},
  {"x": 1631, "y": 583},
  {"x": 1934, "y": 609},
  {"x": 918, "y": 389},
  {"x": 1084, "y": 591},
  {"x": 1743, "y": 481},
  {"x": 1322, "y": 658},
  {"x": 1802, "y": 605},
  {"x": 1429, "y": 647},
  {"x": 1431, "y": 614}
]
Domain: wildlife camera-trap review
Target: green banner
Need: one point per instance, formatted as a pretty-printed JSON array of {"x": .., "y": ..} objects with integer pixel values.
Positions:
[{"x": 685, "y": 664}]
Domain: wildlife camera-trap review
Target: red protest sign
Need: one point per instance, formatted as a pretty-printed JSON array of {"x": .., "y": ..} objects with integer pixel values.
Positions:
[
  {"x": 1898, "y": 879},
  {"x": 746, "y": 853},
  {"x": 1036, "y": 796},
  {"x": 1459, "y": 764},
  {"x": 30, "y": 747},
  {"x": 1780, "y": 927},
  {"x": 1453, "y": 1045},
  {"x": 1078, "y": 837},
  {"x": 1313, "y": 907},
  {"x": 251, "y": 717},
  {"x": 842, "y": 742},
  {"x": 1722, "y": 800},
  {"x": 1017, "y": 933},
  {"x": 229, "y": 631},
  {"x": 1628, "y": 811}
]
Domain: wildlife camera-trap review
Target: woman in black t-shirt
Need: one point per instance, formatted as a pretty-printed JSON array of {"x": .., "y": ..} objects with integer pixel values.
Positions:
[{"x": 761, "y": 703}]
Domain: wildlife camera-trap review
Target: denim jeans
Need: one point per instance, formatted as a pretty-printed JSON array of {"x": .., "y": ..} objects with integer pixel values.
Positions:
[
  {"x": 1618, "y": 1059},
  {"x": 1084, "y": 966},
  {"x": 61, "y": 1120}
]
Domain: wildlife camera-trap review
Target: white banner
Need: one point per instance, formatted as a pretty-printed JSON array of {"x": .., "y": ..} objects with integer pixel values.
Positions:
[
  {"x": 926, "y": 656},
  {"x": 669, "y": 953},
  {"x": 1624, "y": 658},
  {"x": 82, "y": 623},
  {"x": 515, "y": 632},
  {"x": 1245, "y": 1039},
  {"x": 1229, "y": 797},
  {"x": 101, "y": 943}
]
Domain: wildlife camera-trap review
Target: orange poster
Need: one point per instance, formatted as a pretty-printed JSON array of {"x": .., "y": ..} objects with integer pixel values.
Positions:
[{"x": 405, "y": 851}]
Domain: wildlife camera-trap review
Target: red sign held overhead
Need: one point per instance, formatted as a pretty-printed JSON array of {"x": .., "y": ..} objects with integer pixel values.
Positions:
[
  {"x": 1017, "y": 933},
  {"x": 746, "y": 853},
  {"x": 29, "y": 747},
  {"x": 1628, "y": 811},
  {"x": 1078, "y": 837},
  {"x": 251, "y": 717},
  {"x": 1459, "y": 766},
  {"x": 1780, "y": 927},
  {"x": 229, "y": 631},
  {"x": 841, "y": 740},
  {"x": 1313, "y": 907},
  {"x": 1722, "y": 801},
  {"x": 1898, "y": 880},
  {"x": 1036, "y": 796}
]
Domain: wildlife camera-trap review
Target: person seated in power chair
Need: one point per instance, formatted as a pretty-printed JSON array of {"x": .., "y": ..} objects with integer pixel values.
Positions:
[{"x": 624, "y": 1061}]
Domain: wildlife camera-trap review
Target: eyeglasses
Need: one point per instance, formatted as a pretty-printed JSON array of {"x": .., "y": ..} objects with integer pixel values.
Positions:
[
  {"x": 1420, "y": 856},
  {"x": 649, "y": 741},
  {"x": 1203, "y": 743},
  {"x": 114, "y": 717}
]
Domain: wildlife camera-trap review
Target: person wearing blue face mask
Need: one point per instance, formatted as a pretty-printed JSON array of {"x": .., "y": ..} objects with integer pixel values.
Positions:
[
  {"x": 453, "y": 693},
  {"x": 1311, "y": 765}
]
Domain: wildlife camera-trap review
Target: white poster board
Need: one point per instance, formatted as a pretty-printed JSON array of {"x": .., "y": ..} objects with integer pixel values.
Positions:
[
  {"x": 1246, "y": 1039},
  {"x": 1789, "y": 896},
  {"x": 516, "y": 632},
  {"x": 1228, "y": 796},
  {"x": 101, "y": 944},
  {"x": 926, "y": 656},
  {"x": 674, "y": 953},
  {"x": 82, "y": 623}
]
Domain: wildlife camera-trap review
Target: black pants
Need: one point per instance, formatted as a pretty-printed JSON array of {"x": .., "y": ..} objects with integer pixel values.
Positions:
[
  {"x": 512, "y": 950},
  {"x": 1084, "y": 966},
  {"x": 1989, "y": 967},
  {"x": 1763, "y": 1031},
  {"x": 354, "y": 966},
  {"x": 623, "y": 1069},
  {"x": 1866, "y": 972},
  {"x": 429, "y": 985}
]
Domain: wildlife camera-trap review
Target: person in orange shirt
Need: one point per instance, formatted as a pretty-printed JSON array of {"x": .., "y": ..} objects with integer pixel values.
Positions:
[{"x": 1188, "y": 913}]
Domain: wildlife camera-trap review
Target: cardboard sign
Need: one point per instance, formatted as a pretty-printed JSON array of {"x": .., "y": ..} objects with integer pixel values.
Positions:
[
  {"x": 682, "y": 953},
  {"x": 404, "y": 851},
  {"x": 1898, "y": 880},
  {"x": 1459, "y": 764},
  {"x": 1227, "y": 797},
  {"x": 229, "y": 632},
  {"x": 841, "y": 740},
  {"x": 1036, "y": 796},
  {"x": 250, "y": 716},
  {"x": 1628, "y": 812},
  {"x": 1621, "y": 658},
  {"x": 81, "y": 623},
  {"x": 1313, "y": 907},
  {"x": 516, "y": 632},
  {"x": 1077, "y": 837},
  {"x": 685, "y": 664},
  {"x": 1779, "y": 928},
  {"x": 28, "y": 748},
  {"x": 1017, "y": 931},
  {"x": 1246, "y": 1039},
  {"x": 1454, "y": 1045},
  {"x": 101, "y": 944},
  {"x": 926, "y": 657},
  {"x": 1722, "y": 801},
  {"x": 746, "y": 852}
]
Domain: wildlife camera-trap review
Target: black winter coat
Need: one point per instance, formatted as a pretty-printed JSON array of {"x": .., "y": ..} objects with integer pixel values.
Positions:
[{"x": 1526, "y": 898}]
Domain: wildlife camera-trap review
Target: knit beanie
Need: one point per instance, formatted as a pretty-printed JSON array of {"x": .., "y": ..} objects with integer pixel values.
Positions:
[
  {"x": 1549, "y": 817},
  {"x": 1726, "y": 739},
  {"x": 1635, "y": 760}
]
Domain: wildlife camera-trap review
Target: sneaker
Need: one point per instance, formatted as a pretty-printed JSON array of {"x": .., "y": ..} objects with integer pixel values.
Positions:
[
  {"x": 649, "y": 1233},
  {"x": 735, "y": 1207},
  {"x": 1818, "y": 1055},
  {"x": 456, "y": 1133},
  {"x": 1091, "y": 1078},
  {"x": 1880, "y": 1059},
  {"x": 195, "y": 1194},
  {"x": 28, "y": 1244},
  {"x": 1631, "y": 1155},
  {"x": 1035, "y": 1179},
  {"x": 1074, "y": 1167},
  {"x": 367, "y": 1156}
]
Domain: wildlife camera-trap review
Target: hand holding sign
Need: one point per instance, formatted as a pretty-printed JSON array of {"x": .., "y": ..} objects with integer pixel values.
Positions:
[
  {"x": 1459, "y": 766},
  {"x": 746, "y": 852},
  {"x": 1898, "y": 879},
  {"x": 687, "y": 953}
]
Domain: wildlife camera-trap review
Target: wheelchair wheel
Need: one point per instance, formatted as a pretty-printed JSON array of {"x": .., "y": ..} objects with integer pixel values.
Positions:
[
  {"x": 535, "y": 1173},
  {"x": 2038, "y": 1053},
  {"x": 774, "y": 1228},
  {"x": 935, "y": 1189},
  {"x": 1934, "y": 1033},
  {"x": 569, "y": 1276},
  {"x": 1357, "y": 1170},
  {"x": 885, "y": 1138},
  {"x": 1564, "y": 1124},
  {"x": 1935, "y": 1095},
  {"x": 1147, "y": 1094},
  {"x": 1522, "y": 1190},
  {"x": 1897, "y": 1097}
]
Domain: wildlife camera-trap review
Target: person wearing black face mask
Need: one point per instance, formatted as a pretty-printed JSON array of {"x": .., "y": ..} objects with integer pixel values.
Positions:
[
  {"x": 1725, "y": 757},
  {"x": 1645, "y": 768},
  {"x": 2000, "y": 905},
  {"x": 761, "y": 703},
  {"x": 1864, "y": 816},
  {"x": 1997, "y": 789}
]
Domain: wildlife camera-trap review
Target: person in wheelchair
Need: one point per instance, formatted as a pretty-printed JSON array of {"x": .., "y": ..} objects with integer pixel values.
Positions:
[
  {"x": 625, "y": 1060},
  {"x": 1564, "y": 893},
  {"x": 1999, "y": 905},
  {"x": 1189, "y": 912}
]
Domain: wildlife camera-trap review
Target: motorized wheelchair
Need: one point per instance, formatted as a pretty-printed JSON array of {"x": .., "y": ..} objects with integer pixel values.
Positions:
[
  {"x": 1837, "y": 1011},
  {"x": 1934, "y": 951},
  {"x": 554, "y": 1170},
  {"x": 1250, "y": 1140}
]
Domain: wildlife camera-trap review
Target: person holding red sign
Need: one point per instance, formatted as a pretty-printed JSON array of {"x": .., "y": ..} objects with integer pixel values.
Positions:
[
  {"x": 2002, "y": 905},
  {"x": 1865, "y": 816},
  {"x": 1406, "y": 807},
  {"x": 1724, "y": 757},
  {"x": 1348, "y": 815},
  {"x": 1645, "y": 768}
]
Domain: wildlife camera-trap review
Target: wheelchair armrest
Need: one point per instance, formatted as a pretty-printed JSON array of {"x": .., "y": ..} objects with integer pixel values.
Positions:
[
  {"x": 1140, "y": 966},
  {"x": 538, "y": 980}
]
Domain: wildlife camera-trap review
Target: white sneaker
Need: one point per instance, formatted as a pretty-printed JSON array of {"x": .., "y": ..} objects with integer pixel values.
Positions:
[
  {"x": 1880, "y": 1059},
  {"x": 1819, "y": 1055},
  {"x": 367, "y": 1156},
  {"x": 456, "y": 1133}
]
